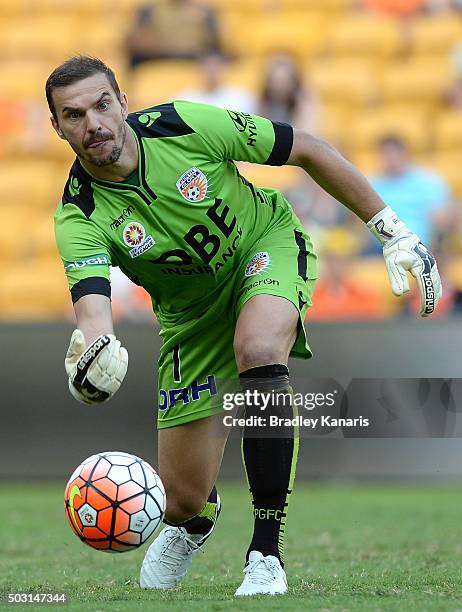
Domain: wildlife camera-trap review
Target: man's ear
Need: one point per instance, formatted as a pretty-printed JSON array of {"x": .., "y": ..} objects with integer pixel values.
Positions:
[
  {"x": 56, "y": 128},
  {"x": 124, "y": 104}
]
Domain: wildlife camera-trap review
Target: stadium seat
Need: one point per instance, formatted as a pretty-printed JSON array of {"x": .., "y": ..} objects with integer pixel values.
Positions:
[
  {"x": 364, "y": 36},
  {"x": 253, "y": 5},
  {"x": 338, "y": 121},
  {"x": 367, "y": 161},
  {"x": 329, "y": 6},
  {"x": 23, "y": 78},
  {"x": 418, "y": 81},
  {"x": 51, "y": 38},
  {"x": 246, "y": 73},
  {"x": 372, "y": 126},
  {"x": 436, "y": 35},
  {"x": 161, "y": 81},
  {"x": 448, "y": 131},
  {"x": 105, "y": 38},
  {"x": 56, "y": 149},
  {"x": 302, "y": 34},
  {"x": 42, "y": 235},
  {"x": 266, "y": 176},
  {"x": 447, "y": 164},
  {"x": 11, "y": 8},
  {"x": 348, "y": 82},
  {"x": 27, "y": 184}
]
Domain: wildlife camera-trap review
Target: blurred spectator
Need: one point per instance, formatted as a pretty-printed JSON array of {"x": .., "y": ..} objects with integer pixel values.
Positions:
[
  {"x": 338, "y": 294},
  {"x": 453, "y": 96},
  {"x": 420, "y": 197},
  {"x": 395, "y": 8},
  {"x": 441, "y": 6},
  {"x": 286, "y": 98},
  {"x": 215, "y": 91},
  {"x": 315, "y": 208},
  {"x": 172, "y": 29}
]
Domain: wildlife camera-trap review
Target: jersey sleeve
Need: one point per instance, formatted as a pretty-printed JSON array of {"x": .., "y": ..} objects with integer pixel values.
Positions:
[
  {"x": 238, "y": 136},
  {"x": 85, "y": 256}
]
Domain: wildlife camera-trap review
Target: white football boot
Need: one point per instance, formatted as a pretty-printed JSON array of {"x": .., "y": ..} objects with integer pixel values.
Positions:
[
  {"x": 263, "y": 576},
  {"x": 170, "y": 555}
]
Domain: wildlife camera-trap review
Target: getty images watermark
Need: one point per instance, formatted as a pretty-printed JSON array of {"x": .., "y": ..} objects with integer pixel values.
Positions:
[
  {"x": 279, "y": 409},
  {"x": 357, "y": 408}
]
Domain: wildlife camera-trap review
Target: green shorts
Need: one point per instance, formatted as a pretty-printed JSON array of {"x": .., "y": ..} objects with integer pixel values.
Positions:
[{"x": 197, "y": 357}]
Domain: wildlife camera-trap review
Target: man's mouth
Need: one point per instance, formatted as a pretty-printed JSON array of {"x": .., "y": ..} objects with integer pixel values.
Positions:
[{"x": 96, "y": 144}]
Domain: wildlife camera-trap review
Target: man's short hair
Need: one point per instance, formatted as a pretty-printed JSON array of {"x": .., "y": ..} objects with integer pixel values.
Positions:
[
  {"x": 75, "y": 69},
  {"x": 392, "y": 140}
]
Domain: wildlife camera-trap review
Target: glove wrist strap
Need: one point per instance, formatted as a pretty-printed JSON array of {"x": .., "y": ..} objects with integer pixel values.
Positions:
[{"x": 386, "y": 226}]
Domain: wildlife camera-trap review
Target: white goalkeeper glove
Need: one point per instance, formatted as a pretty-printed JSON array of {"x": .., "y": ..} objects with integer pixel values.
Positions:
[
  {"x": 97, "y": 371},
  {"x": 403, "y": 252}
]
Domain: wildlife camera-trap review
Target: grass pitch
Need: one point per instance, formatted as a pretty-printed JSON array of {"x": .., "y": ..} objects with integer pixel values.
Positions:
[{"x": 348, "y": 548}]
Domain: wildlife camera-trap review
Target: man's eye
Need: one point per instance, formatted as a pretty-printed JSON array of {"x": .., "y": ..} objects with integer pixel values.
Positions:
[
  {"x": 74, "y": 115},
  {"x": 103, "y": 106}
]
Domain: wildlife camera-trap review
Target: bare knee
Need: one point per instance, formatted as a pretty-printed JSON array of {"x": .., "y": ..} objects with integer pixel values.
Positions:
[
  {"x": 183, "y": 503},
  {"x": 251, "y": 352}
]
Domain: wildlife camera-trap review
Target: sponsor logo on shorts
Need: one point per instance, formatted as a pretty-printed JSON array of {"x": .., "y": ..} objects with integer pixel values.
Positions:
[
  {"x": 126, "y": 212},
  {"x": 258, "y": 263},
  {"x": 134, "y": 235},
  {"x": 260, "y": 283},
  {"x": 193, "y": 185},
  {"x": 94, "y": 260},
  {"x": 184, "y": 395}
]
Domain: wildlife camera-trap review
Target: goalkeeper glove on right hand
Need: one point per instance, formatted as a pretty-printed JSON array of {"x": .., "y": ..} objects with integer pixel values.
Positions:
[
  {"x": 97, "y": 371},
  {"x": 403, "y": 252}
]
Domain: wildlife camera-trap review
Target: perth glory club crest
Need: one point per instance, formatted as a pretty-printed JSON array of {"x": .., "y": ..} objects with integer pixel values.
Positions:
[{"x": 193, "y": 185}]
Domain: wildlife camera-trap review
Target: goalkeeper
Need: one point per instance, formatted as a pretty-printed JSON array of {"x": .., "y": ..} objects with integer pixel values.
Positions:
[{"x": 230, "y": 270}]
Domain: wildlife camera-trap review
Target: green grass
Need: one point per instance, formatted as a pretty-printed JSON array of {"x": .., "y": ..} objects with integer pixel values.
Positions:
[{"x": 348, "y": 548}]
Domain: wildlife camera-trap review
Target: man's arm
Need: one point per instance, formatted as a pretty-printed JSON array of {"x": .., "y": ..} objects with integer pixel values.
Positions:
[
  {"x": 96, "y": 363},
  {"x": 94, "y": 316},
  {"x": 335, "y": 175},
  {"x": 402, "y": 249}
]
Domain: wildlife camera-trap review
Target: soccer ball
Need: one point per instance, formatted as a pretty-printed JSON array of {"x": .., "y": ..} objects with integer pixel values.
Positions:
[{"x": 114, "y": 501}]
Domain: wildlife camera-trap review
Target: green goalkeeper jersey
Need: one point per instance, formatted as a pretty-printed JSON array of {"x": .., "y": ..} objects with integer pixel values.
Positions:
[{"x": 177, "y": 227}]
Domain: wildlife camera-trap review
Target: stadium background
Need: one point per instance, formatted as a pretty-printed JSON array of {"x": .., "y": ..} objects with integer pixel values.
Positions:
[
  {"x": 372, "y": 73},
  {"x": 376, "y": 68}
]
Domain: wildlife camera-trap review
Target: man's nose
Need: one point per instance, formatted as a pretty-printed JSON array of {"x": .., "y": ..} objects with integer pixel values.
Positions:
[{"x": 93, "y": 122}]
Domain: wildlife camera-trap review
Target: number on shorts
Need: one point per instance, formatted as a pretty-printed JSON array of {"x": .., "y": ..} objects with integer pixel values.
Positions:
[{"x": 176, "y": 364}]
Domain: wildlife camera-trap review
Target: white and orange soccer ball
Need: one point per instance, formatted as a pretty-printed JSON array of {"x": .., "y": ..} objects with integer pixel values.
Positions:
[{"x": 114, "y": 501}]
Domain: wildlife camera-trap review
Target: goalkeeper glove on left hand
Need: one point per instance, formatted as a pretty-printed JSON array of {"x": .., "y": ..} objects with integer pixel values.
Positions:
[
  {"x": 403, "y": 252},
  {"x": 97, "y": 371}
]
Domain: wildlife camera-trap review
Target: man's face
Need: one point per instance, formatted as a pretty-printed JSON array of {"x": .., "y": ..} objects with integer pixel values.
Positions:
[
  {"x": 394, "y": 158},
  {"x": 92, "y": 119}
]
